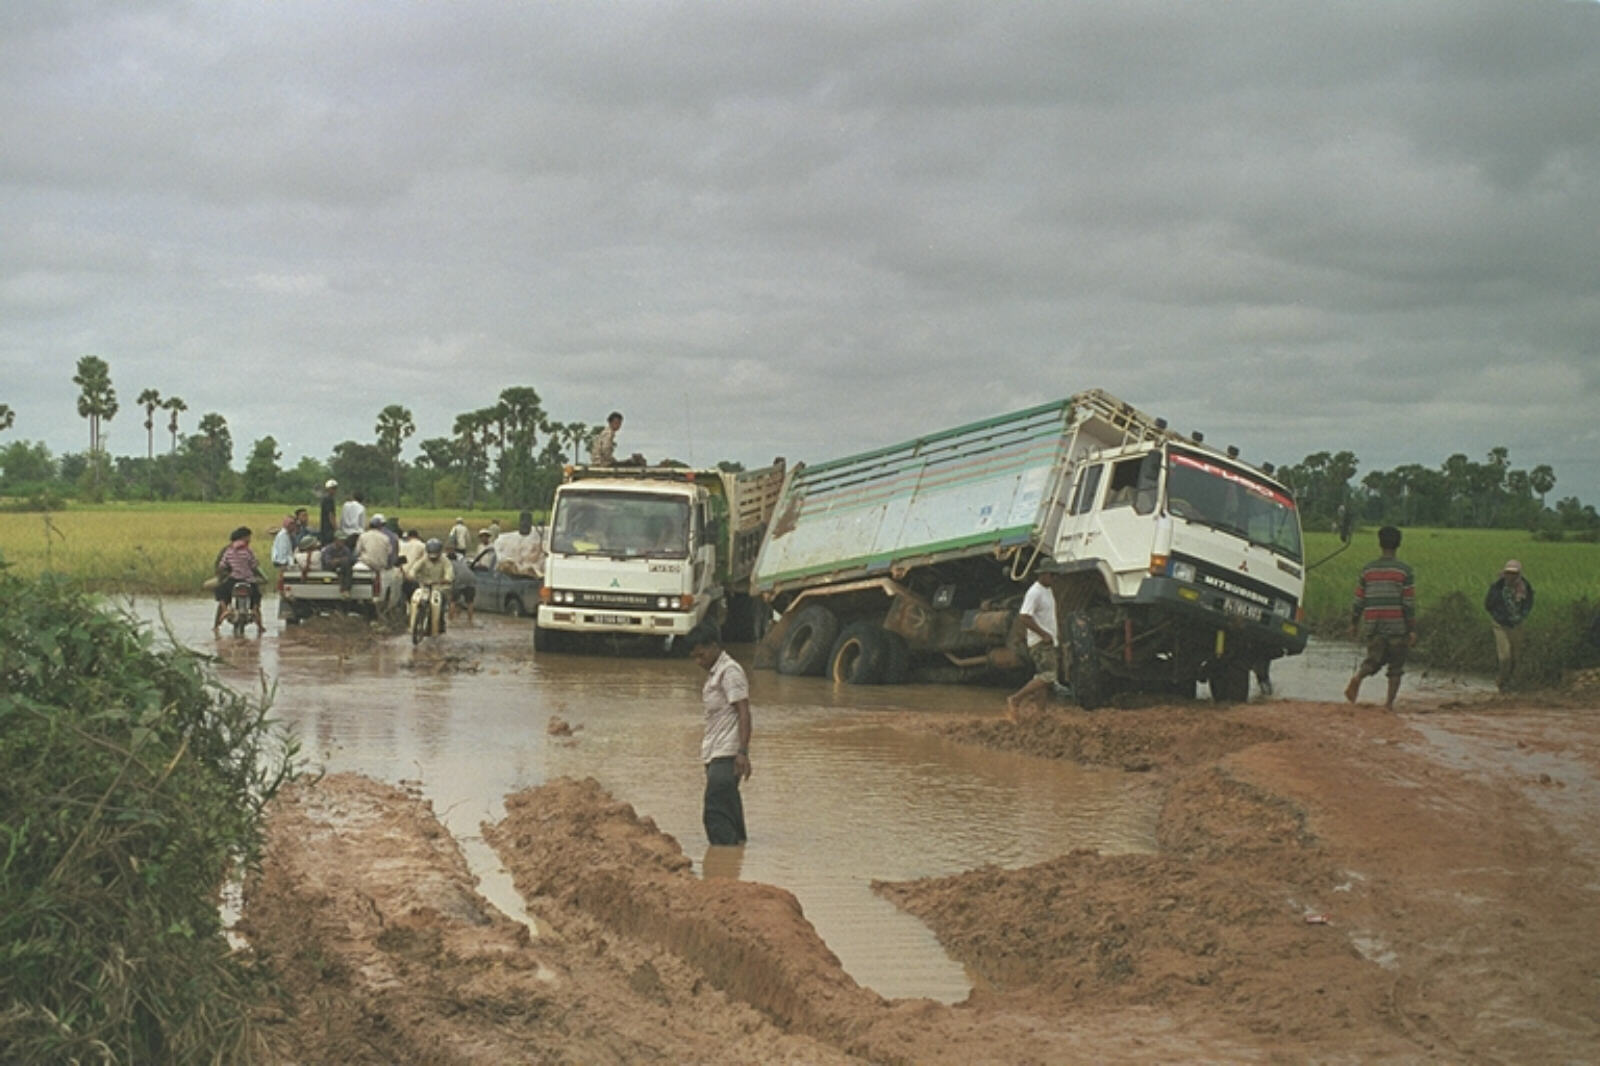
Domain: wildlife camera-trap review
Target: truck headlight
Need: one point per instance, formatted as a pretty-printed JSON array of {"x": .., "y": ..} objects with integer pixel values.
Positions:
[
  {"x": 1183, "y": 571},
  {"x": 1281, "y": 608},
  {"x": 662, "y": 603}
]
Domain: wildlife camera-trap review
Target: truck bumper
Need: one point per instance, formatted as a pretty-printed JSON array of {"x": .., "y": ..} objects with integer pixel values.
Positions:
[
  {"x": 611, "y": 620},
  {"x": 1238, "y": 621}
]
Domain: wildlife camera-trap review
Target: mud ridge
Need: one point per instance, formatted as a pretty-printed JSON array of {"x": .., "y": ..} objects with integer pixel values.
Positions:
[{"x": 1321, "y": 881}]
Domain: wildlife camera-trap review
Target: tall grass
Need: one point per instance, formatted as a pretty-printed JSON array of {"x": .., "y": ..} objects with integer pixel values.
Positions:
[
  {"x": 131, "y": 783},
  {"x": 160, "y": 547},
  {"x": 1454, "y": 568}
]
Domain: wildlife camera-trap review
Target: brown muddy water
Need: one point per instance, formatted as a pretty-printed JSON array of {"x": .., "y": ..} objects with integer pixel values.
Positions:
[{"x": 838, "y": 798}]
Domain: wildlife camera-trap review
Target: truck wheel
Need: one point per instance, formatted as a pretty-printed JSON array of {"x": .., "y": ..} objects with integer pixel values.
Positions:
[
  {"x": 807, "y": 644},
  {"x": 1090, "y": 685},
  {"x": 861, "y": 655},
  {"x": 1230, "y": 682},
  {"x": 898, "y": 668}
]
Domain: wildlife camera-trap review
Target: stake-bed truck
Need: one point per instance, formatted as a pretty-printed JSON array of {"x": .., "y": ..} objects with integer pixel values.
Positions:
[
  {"x": 651, "y": 551},
  {"x": 1176, "y": 563}
]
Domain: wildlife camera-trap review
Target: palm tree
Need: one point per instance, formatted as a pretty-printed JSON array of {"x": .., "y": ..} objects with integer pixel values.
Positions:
[
  {"x": 97, "y": 400},
  {"x": 1542, "y": 479},
  {"x": 577, "y": 434},
  {"x": 394, "y": 426},
  {"x": 175, "y": 405},
  {"x": 8, "y": 417},
  {"x": 150, "y": 399}
]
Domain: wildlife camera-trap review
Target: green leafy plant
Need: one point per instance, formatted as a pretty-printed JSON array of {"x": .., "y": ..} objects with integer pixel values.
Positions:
[{"x": 131, "y": 787}]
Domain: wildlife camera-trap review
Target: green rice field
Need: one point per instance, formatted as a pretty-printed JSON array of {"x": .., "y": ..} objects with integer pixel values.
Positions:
[{"x": 165, "y": 548}]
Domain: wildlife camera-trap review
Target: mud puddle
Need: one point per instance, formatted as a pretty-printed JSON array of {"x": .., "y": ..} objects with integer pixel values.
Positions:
[
  {"x": 1322, "y": 670},
  {"x": 838, "y": 799}
]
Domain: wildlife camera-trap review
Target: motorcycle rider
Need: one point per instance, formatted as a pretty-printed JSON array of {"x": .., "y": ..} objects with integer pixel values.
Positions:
[
  {"x": 236, "y": 563},
  {"x": 433, "y": 571}
]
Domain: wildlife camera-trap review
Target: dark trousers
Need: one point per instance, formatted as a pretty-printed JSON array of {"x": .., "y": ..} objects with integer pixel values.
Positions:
[{"x": 724, "y": 810}]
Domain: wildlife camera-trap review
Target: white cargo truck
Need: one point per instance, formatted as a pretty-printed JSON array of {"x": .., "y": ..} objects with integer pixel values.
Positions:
[
  {"x": 649, "y": 552},
  {"x": 1178, "y": 562}
]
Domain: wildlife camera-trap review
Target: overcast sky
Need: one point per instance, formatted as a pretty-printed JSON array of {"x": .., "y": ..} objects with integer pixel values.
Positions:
[{"x": 809, "y": 228}]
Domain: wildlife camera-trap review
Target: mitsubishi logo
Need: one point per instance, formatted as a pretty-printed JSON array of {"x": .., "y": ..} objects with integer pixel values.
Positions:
[
  {"x": 1244, "y": 567},
  {"x": 615, "y": 583}
]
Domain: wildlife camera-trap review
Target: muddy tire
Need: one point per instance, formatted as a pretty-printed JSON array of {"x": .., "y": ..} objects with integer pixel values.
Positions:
[
  {"x": 1230, "y": 682},
  {"x": 861, "y": 655},
  {"x": 1091, "y": 687},
  {"x": 808, "y": 643},
  {"x": 898, "y": 669},
  {"x": 514, "y": 607}
]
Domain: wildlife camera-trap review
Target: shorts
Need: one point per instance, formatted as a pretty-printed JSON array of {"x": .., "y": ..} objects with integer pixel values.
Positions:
[
  {"x": 1386, "y": 648},
  {"x": 466, "y": 594},
  {"x": 1046, "y": 661}
]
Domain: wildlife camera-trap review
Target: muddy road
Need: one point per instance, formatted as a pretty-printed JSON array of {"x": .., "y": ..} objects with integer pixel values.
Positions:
[{"x": 505, "y": 865}]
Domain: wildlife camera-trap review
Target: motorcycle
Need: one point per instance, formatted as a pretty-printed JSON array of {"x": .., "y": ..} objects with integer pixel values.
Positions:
[
  {"x": 428, "y": 606},
  {"x": 240, "y": 610}
]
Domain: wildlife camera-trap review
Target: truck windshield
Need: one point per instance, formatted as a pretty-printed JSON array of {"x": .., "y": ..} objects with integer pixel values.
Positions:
[
  {"x": 620, "y": 524},
  {"x": 1204, "y": 491}
]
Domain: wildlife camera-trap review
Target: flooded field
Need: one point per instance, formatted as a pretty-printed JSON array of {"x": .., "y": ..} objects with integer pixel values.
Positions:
[
  {"x": 1292, "y": 879},
  {"x": 837, "y": 799}
]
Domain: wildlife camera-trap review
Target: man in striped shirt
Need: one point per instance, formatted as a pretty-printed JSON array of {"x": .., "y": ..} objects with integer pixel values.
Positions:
[{"x": 1385, "y": 612}]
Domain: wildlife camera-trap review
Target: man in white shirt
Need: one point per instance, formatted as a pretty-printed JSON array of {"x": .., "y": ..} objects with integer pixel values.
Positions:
[
  {"x": 460, "y": 538},
  {"x": 725, "y": 748},
  {"x": 353, "y": 516},
  {"x": 1038, "y": 617}
]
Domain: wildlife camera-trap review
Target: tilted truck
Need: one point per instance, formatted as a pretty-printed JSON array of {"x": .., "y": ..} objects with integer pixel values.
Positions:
[
  {"x": 1177, "y": 563},
  {"x": 651, "y": 551}
]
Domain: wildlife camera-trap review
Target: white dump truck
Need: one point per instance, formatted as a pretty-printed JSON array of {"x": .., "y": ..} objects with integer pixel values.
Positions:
[
  {"x": 1178, "y": 563},
  {"x": 649, "y": 552}
]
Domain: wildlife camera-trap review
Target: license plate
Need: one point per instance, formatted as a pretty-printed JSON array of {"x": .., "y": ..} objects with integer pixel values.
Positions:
[
  {"x": 613, "y": 620},
  {"x": 1251, "y": 611}
]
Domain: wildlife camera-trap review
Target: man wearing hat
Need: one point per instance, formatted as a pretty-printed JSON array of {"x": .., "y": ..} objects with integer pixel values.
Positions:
[
  {"x": 460, "y": 538},
  {"x": 1509, "y": 600}
]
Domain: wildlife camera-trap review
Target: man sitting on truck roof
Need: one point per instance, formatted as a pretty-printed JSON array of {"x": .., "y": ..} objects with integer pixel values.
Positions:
[{"x": 603, "y": 449}]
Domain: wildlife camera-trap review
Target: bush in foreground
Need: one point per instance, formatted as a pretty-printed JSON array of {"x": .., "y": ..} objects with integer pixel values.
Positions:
[{"x": 131, "y": 788}]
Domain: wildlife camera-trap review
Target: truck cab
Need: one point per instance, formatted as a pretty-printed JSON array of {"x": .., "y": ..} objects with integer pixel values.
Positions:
[
  {"x": 1166, "y": 531},
  {"x": 628, "y": 556}
]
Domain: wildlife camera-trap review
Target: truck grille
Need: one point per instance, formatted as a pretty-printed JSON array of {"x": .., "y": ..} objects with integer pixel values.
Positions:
[{"x": 627, "y": 600}]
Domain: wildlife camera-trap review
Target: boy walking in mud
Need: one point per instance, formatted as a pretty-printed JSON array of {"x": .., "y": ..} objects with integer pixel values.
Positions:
[
  {"x": 725, "y": 749},
  {"x": 1386, "y": 615}
]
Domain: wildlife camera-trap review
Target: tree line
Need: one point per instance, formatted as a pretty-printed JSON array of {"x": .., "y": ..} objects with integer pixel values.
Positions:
[
  {"x": 1459, "y": 492},
  {"x": 507, "y": 454}
]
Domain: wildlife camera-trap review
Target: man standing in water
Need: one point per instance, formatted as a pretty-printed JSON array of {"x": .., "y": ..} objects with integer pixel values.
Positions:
[
  {"x": 725, "y": 750},
  {"x": 1385, "y": 612}
]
